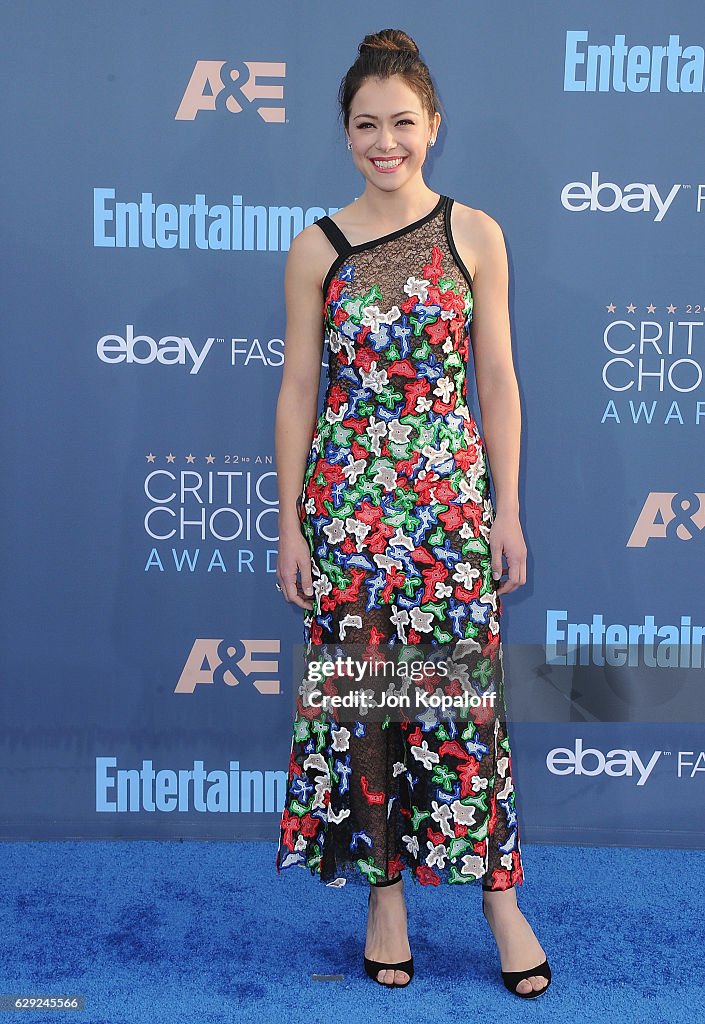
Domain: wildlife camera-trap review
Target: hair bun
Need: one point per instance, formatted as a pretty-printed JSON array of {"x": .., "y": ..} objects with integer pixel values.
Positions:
[{"x": 389, "y": 39}]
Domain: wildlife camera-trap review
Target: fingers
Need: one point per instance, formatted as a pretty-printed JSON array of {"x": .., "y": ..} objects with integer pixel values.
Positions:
[
  {"x": 306, "y": 580},
  {"x": 297, "y": 592},
  {"x": 517, "y": 575},
  {"x": 516, "y": 568}
]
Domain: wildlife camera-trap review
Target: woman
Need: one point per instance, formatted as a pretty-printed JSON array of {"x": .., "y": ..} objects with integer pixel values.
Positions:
[{"x": 388, "y": 536}]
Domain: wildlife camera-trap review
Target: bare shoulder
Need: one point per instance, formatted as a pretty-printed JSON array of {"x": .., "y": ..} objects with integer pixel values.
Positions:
[
  {"x": 310, "y": 255},
  {"x": 477, "y": 235},
  {"x": 308, "y": 244}
]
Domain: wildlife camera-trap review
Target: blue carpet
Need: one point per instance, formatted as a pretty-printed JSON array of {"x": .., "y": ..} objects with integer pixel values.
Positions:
[{"x": 206, "y": 931}]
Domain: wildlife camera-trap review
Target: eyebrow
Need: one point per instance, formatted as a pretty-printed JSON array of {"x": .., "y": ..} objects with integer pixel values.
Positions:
[{"x": 374, "y": 116}]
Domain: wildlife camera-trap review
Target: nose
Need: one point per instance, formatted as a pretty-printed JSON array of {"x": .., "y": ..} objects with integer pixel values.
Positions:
[{"x": 386, "y": 139}]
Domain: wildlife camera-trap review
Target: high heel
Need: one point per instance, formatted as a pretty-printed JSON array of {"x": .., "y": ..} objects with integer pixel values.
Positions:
[
  {"x": 373, "y": 967},
  {"x": 511, "y": 979}
]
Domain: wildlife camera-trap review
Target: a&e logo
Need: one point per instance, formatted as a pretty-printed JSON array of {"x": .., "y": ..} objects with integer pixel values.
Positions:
[
  {"x": 214, "y": 662},
  {"x": 221, "y": 85},
  {"x": 667, "y": 515}
]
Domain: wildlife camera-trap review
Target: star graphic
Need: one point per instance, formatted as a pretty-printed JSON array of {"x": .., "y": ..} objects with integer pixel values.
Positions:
[
  {"x": 190, "y": 458},
  {"x": 151, "y": 458},
  {"x": 171, "y": 458},
  {"x": 671, "y": 308},
  {"x": 210, "y": 458},
  {"x": 611, "y": 308},
  {"x": 651, "y": 308},
  {"x": 631, "y": 308}
]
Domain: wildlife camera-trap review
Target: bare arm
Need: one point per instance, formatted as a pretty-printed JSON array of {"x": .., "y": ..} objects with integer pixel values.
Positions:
[
  {"x": 497, "y": 386},
  {"x": 498, "y": 392},
  {"x": 296, "y": 406}
]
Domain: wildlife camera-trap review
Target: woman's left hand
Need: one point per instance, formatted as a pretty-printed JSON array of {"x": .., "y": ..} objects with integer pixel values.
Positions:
[{"x": 506, "y": 538}]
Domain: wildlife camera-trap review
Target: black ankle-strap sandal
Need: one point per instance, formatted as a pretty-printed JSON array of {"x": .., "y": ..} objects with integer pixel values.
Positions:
[
  {"x": 373, "y": 967},
  {"x": 511, "y": 979}
]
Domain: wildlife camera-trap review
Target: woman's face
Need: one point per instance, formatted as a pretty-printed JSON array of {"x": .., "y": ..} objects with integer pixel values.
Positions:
[{"x": 387, "y": 121}]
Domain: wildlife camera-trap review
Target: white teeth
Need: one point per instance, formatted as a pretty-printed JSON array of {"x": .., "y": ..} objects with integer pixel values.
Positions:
[{"x": 388, "y": 163}]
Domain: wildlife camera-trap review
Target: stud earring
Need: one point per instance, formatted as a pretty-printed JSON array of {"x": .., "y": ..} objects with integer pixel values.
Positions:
[
  {"x": 349, "y": 144},
  {"x": 432, "y": 142}
]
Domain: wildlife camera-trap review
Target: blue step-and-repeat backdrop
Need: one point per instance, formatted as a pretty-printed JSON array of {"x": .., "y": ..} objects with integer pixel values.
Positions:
[{"x": 157, "y": 163}]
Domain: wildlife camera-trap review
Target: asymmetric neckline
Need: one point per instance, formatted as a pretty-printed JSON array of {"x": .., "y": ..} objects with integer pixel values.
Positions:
[{"x": 398, "y": 232}]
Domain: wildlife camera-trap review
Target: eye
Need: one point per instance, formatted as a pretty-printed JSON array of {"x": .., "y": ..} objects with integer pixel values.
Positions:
[{"x": 403, "y": 120}]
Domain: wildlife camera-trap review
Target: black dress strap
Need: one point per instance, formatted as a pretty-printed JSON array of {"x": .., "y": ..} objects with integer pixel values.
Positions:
[{"x": 334, "y": 234}]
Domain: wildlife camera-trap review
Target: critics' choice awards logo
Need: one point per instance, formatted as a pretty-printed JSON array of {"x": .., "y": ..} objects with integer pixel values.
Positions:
[
  {"x": 645, "y": 197},
  {"x": 219, "y": 85},
  {"x": 652, "y": 365},
  {"x": 618, "y": 66},
  {"x": 229, "y": 662},
  {"x": 134, "y": 349},
  {"x": 211, "y": 514}
]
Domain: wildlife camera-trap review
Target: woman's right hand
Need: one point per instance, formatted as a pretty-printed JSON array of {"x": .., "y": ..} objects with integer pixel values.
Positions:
[{"x": 294, "y": 557}]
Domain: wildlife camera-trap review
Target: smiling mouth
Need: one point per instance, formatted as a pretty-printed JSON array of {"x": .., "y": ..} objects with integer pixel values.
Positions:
[{"x": 383, "y": 163}]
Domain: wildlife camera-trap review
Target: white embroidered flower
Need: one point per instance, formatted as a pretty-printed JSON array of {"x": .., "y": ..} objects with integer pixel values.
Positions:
[
  {"x": 399, "y": 432},
  {"x": 340, "y": 738},
  {"x": 357, "y": 529},
  {"x": 386, "y": 476},
  {"x": 372, "y": 316},
  {"x": 427, "y": 757},
  {"x": 335, "y": 531},
  {"x": 444, "y": 388},
  {"x": 374, "y": 379},
  {"x": 417, "y": 286},
  {"x": 437, "y": 855},
  {"x": 422, "y": 622},
  {"x": 442, "y": 814},
  {"x": 353, "y": 469},
  {"x": 466, "y": 574},
  {"x": 442, "y": 590},
  {"x": 464, "y": 814},
  {"x": 472, "y": 865},
  {"x": 354, "y": 621},
  {"x": 412, "y": 844}
]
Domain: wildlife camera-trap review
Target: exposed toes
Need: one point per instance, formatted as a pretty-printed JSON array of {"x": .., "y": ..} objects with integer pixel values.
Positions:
[{"x": 534, "y": 981}]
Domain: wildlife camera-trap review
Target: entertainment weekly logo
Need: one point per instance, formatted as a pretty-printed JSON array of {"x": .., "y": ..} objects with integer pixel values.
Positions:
[
  {"x": 139, "y": 222},
  {"x": 622, "y": 67},
  {"x": 669, "y": 645},
  {"x": 222, "y": 86},
  {"x": 226, "y": 789}
]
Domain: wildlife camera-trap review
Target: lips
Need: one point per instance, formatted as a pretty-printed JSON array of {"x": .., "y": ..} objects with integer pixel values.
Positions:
[{"x": 389, "y": 164}]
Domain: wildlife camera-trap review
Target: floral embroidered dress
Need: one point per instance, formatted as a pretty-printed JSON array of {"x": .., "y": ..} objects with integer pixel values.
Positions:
[{"x": 396, "y": 510}]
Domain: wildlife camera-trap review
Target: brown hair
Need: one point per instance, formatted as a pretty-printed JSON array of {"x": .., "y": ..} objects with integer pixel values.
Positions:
[{"x": 381, "y": 55}]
